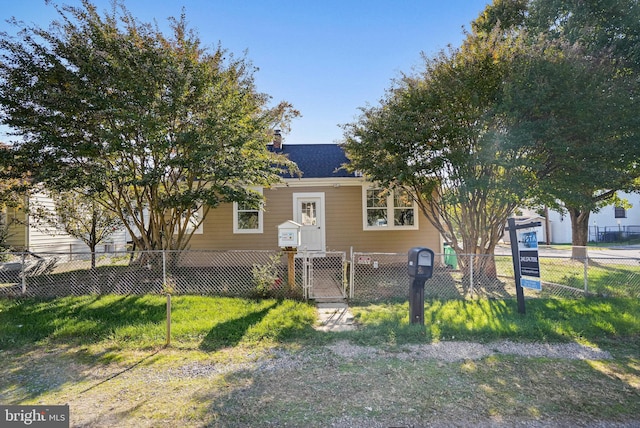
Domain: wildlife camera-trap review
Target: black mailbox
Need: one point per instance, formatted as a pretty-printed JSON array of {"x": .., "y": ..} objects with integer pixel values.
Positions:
[
  {"x": 420, "y": 263},
  {"x": 420, "y": 266}
]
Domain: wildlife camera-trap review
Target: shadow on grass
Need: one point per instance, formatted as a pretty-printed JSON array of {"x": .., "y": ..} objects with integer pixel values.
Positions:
[
  {"x": 125, "y": 370},
  {"x": 546, "y": 320},
  {"x": 516, "y": 390},
  {"x": 274, "y": 321},
  {"x": 230, "y": 333},
  {"x": 86, "y": 319},
  {"x": 33, "y": 372},
  {"x": 608, "y": 279}
]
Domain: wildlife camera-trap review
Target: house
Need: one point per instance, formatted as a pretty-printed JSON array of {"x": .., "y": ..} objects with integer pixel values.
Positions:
[
  {"x": 24, "y": 234},
  {"x": 614, "y": 223},
  {"x": 530, "y": 217},
  {"x": 338, "y": 211},
  {"x": 608, "y": 224}
]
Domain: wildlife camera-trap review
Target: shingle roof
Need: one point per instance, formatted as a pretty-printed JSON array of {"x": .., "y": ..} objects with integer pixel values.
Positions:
[{"x": 316, "y": 160}]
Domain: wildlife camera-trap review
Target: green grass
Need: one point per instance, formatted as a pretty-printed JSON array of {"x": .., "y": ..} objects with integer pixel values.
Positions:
[
  {"x": 103, "y": 355},
  {"x": 139, "y": 322},
  {"x": 547, "y": 320},
  {"x": 603, "y": 279},
  {"x": 213, "y": 323}
]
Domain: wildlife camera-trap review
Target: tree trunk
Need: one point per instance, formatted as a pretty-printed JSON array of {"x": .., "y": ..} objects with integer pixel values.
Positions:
[
  {"x": 92, "y": 238},
  {"x": 579, "y": 233},
  {"x": 484, "y": 267}
]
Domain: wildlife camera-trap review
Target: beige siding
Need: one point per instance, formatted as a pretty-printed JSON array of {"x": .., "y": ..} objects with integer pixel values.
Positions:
[
  {"x": 17, "y": 236},
  {"x": 344, "y": 225}
]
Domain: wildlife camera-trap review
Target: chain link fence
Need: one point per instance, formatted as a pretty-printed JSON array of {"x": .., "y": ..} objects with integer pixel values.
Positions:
[
  {"x": 325, "y": 275},
  {"x": 359, "y": 277},
  {"x": 377, "y": 277},
  {"x": 223, "y": 273}
]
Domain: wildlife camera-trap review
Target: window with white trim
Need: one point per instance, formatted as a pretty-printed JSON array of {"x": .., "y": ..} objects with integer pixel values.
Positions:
[
  {"x": 388, "y": 209},
  {"x": 247, "y": 218},
  {"x": 194, "y": 222}
]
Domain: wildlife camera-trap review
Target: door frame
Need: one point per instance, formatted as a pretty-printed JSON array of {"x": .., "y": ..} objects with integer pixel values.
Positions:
[{"x": 321, "y": 213}]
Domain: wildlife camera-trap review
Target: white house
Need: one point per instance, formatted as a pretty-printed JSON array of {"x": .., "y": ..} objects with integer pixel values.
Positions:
[
  {"x": 606, "y": 225},
  {"x": 25, "y": 235}
]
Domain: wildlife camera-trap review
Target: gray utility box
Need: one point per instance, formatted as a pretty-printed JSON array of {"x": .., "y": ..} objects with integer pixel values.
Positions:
[{"x": 420, "y": 263}]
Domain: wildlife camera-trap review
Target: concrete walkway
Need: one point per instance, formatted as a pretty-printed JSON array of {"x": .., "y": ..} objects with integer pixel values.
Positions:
[{"x": 334, "y": 316}]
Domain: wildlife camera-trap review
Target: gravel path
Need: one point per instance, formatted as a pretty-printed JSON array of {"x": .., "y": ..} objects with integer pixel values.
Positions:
[
  {"x": 456, "y": 351},
  {"x": 444, "y": 351},
  {"x": 275, "y": 379}
]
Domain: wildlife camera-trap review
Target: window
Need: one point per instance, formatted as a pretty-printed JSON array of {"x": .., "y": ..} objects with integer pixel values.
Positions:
[
  {"x": 620, "y": 212},
  {"x": 309, "y": 213},
  {"x": 388, "y": 209},
  {"x": 194, "y": 222},
  {"x": 247, "y": 218}
]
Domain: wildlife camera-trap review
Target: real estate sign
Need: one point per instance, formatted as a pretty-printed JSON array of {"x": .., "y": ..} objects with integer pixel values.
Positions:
[{"x": 528, "y": 259}]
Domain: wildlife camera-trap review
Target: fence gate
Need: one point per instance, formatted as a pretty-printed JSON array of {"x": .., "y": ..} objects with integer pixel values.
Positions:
[{"x": 324, "y": 275}]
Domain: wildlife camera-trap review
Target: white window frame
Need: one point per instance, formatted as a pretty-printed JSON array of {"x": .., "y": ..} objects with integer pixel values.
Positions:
[
  {"x": 390, "y": 212},
  {"x": 199, "y": 230},
  {"x": 236, "y": 210},
  {"x": 191, "y": 223}
]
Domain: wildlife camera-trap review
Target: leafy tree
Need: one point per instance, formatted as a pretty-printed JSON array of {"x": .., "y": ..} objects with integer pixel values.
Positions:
[
  {"x": 78, "y": 214},
  {"x": 160, "y": 127},
  {"x": 13, "y": 183},
  {"x": 505, "y": 14},
  {"x": 572, "y": 100},
  {"x": 604, "y": 28},
  {"x": 438, "y": 135},
  {"x": 576, "y": 120}
]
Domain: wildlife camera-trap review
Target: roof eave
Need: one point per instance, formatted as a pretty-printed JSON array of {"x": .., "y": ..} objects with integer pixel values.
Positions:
[{"x": 321, "y": 182}]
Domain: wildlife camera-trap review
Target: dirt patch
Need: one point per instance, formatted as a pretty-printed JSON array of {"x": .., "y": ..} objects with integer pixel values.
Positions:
[
  {"x": 340, "y": 385},
  {"x": 457, "y": 351}
]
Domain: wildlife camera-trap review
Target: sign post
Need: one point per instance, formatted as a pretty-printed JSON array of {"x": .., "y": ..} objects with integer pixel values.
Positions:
[{"x": 524, "y": 252}]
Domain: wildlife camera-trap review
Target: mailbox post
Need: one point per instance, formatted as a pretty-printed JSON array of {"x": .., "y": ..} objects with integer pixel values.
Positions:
[
  {"x": 420, "y": 267},
  {"x": 289, "y": 241}
]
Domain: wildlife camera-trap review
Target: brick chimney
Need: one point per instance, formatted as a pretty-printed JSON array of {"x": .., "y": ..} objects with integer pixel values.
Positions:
[{"x": 277, "y": 140}]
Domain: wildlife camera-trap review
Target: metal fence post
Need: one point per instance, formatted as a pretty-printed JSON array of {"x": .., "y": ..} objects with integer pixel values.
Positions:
[
  {"x": 168, "y": 341},
  {"x": 24, "y": 274},
  {"x": 306, "y": 281},
  {"x": 164, "y": 268},
  {"x": 586, "y": 275},
  {"x": 351, "y": 274},
  {"x": 167, "y": 291}
]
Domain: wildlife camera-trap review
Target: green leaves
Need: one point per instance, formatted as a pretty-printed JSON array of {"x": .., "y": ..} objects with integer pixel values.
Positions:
[
  {"x": 157, "y": 123},
  {"x": 571, "y": 103},
  {"x": 440, "y": 135}
]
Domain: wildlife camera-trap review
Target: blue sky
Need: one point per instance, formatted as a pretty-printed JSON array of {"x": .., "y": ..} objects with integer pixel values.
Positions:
[{"x": 326, "y": 57}]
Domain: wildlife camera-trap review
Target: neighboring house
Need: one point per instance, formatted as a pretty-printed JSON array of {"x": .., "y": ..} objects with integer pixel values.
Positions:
[
  {"x": 337, "y": 210},
  {"x": 24, "y": 235},
  {"x": 609, "y": 224},
  {"x": 611, "y": 221},
  {"x": 528, "y": 218}
]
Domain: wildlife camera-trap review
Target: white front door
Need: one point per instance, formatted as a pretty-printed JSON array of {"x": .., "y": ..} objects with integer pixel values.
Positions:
[{"x": 308, "y": 210}]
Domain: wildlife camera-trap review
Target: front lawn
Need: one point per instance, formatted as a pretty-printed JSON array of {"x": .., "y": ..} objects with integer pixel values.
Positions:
[{"x": 212, "y": 323}]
